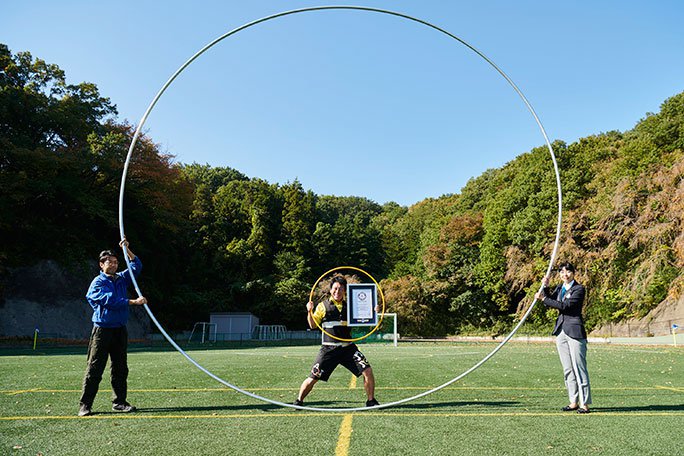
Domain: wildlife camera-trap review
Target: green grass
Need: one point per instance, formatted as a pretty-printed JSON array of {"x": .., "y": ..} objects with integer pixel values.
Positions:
[{"x": 508, "y": 406}]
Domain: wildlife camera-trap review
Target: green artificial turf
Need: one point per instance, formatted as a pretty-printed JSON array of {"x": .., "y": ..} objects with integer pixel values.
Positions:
[{"x": 510, "y": 405}]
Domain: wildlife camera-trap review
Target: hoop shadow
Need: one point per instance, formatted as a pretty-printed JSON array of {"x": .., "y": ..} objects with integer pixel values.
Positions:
[
  {"x": 641, "y": 408},
  {"x": 425, "y": 406},
  {"x": 430, "y": 406},
  {"x": 458, "y": 404},
  {"x": 211, "y": 408}
]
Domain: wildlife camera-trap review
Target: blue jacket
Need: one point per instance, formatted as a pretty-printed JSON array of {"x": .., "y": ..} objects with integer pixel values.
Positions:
[{"x": 109, "y": 297}]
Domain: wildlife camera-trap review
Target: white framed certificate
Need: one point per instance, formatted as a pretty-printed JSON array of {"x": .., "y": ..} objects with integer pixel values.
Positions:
[{"x": 362, "y": 298}]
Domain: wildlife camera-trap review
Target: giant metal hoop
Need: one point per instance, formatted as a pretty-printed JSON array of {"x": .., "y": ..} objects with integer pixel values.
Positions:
[{"x": 356, "y": 8}]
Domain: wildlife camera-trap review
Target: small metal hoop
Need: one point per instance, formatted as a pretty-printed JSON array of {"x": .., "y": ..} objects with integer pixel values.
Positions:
[{"x": 382, "y": 298}]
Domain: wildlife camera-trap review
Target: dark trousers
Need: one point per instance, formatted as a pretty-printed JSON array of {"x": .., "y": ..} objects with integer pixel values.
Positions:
[{"x": 104, "y": 342}]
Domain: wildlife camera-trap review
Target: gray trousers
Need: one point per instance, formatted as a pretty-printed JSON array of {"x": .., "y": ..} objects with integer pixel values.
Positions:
[{"x": 573, "y": 356}]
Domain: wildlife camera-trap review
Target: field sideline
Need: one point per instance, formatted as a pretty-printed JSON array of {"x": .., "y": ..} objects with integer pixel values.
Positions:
[{"x": 510, "y": 405}]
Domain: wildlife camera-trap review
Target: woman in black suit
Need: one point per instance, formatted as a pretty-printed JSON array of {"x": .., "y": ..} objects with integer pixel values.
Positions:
[{"x": 571, "y": 337}]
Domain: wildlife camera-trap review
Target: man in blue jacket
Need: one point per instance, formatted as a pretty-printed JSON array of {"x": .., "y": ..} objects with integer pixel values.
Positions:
[{"x": 108, "y": 296}]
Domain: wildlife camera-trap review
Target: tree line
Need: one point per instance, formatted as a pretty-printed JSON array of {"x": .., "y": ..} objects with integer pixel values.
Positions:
[{"x": 214, "y": 239}]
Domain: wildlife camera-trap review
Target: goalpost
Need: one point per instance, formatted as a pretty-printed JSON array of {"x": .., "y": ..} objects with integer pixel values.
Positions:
[
  {"x": 395, "y": 334},
  {"x": 206, "y": 330}
]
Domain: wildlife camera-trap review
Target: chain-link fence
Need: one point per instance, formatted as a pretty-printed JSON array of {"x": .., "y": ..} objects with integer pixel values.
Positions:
[{"x": 640, "y": 329}]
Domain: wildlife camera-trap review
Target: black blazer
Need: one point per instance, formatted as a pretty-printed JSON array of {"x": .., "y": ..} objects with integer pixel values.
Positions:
[{"x": 570, "y": 310}]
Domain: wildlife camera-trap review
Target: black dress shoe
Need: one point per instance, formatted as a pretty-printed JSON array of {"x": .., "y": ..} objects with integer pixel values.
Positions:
[
  {"x": 124, "y": 407},
  {"x": 582, "y": 410},
  {"x": 567, "y": 408}
]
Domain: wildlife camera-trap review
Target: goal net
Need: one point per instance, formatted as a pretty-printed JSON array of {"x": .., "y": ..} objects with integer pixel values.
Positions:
[
  {"x": 202, "y": 332},
  {"x": 386, "y": 332}
]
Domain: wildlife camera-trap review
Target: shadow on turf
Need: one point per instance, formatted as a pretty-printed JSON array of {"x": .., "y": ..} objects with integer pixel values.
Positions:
[
  {"x": 423, "y": 406},
  {"x": 430, "y": 406},
  {"x": 212, "y": 408},
  {"x": 331, "y": 404},
  {"x": 458, "y": 404},
  {"x": 641, "y": 408}
]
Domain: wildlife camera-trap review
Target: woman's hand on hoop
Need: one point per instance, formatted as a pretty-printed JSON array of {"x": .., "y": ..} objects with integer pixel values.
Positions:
[
  {"x": 540, "y": 295},
  {"x": 310, "y": 306}
]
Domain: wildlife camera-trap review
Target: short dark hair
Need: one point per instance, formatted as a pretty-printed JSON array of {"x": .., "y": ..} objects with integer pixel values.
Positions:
[
  {"x": 567, "y": 266},
  {"x": 338, "y": 279},
  {"x": 105, "y": 254}
]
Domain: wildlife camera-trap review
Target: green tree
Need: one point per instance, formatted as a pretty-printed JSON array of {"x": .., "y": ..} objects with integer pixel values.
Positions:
[{"x": 298, "y": 220}]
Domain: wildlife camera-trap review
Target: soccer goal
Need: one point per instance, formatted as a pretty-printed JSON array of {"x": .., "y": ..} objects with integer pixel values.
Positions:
[
  {"x": 269, "y": 332},
  {"x": 387, "y": 332},
  {"x": 203, "y": 331}
]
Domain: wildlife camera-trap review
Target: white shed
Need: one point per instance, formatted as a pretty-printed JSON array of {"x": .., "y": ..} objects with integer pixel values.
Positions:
[{"x": 234, "y": 325}]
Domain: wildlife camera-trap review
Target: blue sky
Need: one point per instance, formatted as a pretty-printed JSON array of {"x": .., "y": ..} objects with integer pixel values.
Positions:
[{"x": 358, "y": 103}]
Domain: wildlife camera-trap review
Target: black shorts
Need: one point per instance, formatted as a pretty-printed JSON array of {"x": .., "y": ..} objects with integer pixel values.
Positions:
[{"x": 329, "y": 357}]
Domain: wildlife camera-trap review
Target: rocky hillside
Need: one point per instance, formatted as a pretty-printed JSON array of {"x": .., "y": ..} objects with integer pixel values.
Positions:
[{"x": 49, "y": 297}]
